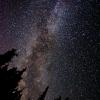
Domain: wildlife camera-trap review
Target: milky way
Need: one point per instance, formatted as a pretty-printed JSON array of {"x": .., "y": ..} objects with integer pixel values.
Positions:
[{"x": 59, "y": 43}]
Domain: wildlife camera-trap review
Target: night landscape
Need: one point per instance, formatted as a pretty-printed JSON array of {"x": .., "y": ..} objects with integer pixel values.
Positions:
[{"x": 49, "y": 50}]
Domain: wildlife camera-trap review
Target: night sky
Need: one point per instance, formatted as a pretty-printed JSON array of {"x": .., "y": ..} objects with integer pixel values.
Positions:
[{"x": 59, "y": 43}]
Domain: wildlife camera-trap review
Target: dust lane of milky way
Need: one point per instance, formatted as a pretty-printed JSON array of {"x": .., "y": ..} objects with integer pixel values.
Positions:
[{"x": 59, "y": 43}]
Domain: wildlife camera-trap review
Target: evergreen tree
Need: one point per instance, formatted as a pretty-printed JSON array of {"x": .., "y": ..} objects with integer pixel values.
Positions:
[{"x": 9, "y": 78}]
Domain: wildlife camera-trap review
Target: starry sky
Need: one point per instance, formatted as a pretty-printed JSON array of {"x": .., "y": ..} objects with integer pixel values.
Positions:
[{"x": 59, "y": 43}]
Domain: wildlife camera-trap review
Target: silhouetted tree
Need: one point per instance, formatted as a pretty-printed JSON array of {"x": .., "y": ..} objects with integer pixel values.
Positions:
[
  {"x": 42, "y": 97},
  {"x": 9, "y": 78},
  {"x": 5, "y": 58}
]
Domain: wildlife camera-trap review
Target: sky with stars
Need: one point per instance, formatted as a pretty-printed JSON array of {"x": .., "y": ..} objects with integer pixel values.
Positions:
[{"x": 59, "y": 43}]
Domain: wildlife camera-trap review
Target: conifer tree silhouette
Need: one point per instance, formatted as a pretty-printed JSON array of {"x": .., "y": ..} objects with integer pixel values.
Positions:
[
  {"x": 5, "y": 58},
  {"x": 42, "y": 97},
  {"x": 9, "y": 78}
]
